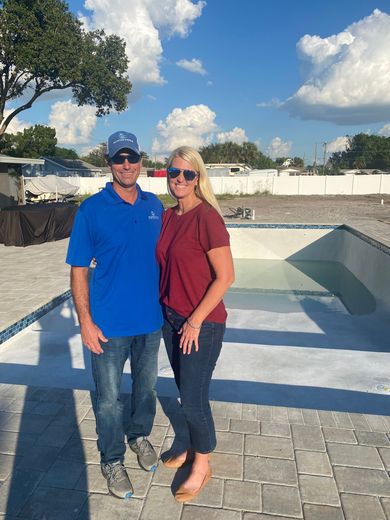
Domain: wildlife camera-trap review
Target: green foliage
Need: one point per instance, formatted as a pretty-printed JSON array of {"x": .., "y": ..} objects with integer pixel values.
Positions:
[
  {"x": 65, "y": 153},
  {"x": 297, "y": 162},
  {"x": 97, "y": 156},
  {"x": 246, "y": 153},
  {"x": 363, "y": 151},
  {"x": 43, "y": 47},
  {"x": 32, "y": 142}
]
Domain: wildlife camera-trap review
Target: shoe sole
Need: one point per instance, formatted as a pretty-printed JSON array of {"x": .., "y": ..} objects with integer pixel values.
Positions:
[
  {"x": 126, "y": 497},
  {"x": 148, "y": 468}
]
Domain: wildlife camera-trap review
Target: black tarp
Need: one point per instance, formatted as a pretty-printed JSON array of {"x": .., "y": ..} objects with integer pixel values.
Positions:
[{"x": 36, "y": 223}]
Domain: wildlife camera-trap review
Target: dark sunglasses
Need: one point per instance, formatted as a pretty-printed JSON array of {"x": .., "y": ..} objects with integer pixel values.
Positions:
[
  {"x": 189, "y": 175},
  {"x": 133, "y": 158}
]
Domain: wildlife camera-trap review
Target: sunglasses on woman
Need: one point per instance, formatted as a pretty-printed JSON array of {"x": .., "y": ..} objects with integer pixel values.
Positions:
[{"x": 189, "y": 175}]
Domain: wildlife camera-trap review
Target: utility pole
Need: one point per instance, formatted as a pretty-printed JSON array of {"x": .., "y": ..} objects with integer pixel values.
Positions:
[
  {"x": 315, "y": 160},
  {"x": 323, "y": 166}
]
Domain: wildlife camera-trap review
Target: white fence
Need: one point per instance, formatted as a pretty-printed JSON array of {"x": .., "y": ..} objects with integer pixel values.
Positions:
[{"x": 255, "y": 183}]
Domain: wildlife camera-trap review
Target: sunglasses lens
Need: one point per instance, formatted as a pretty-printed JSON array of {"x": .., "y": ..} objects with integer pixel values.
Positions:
[
  {"x": 189, "y": 175},
  {"x": 173, "y": 172},
  {"x": 120, "y": 159}
]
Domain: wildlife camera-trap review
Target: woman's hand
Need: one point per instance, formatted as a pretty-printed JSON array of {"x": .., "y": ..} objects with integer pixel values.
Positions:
[{"x": 189, "y": 336}]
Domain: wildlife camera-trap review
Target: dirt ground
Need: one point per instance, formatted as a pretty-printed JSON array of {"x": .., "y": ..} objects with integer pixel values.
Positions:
[{"x": 337, "y": 209}]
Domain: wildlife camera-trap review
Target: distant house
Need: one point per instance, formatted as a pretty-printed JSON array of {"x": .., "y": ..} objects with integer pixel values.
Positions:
[
  {"x": 63, "y": 168},
  {"x": 229, "y": 168},
  {"x": 11, "y": 186},
  {"x": 286, "y": 172}
]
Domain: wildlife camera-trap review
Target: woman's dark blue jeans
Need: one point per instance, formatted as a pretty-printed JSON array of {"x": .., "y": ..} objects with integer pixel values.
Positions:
[
  {"x": 107, "y": 370},
  {"x": 193, "y": 375}
]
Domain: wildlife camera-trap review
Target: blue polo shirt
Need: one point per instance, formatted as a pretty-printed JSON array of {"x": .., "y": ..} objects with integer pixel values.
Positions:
[{"x": 124, "y": 289}]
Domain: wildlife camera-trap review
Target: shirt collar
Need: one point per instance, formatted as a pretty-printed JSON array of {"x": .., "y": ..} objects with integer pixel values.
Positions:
[{"x": 112, "y": 196}]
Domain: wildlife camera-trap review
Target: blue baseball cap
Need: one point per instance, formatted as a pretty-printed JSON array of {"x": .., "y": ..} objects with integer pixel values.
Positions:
[{"x": 121, "y": 141}]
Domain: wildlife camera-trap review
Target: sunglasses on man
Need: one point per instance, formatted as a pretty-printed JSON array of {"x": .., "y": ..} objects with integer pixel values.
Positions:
[
  {"x": 132, "y": 158},
  {"x": 189, "y": 175}
]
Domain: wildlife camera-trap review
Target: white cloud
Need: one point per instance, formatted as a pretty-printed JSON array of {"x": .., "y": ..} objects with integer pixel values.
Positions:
[
  {"x": 237, "y": 135},
  {"x": 142, "y": 24},
  {"x": 279, "y": 148},
  {"x": 16, "y": 124},
  {"x": 209, "y": 83},
  {"x": 337, "y": 145},
  {"x": 385, "y": 130},
  {"x": 274, "y": 103},
  {"x": 194, "y": 66},
  {"x": 73, "y": 124},
  {"x": 191, "y": 126},
  {"x": 348, "y": 74}
]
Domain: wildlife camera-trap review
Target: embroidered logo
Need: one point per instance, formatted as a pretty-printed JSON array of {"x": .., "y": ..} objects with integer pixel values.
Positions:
[{"x": 153, "y": 216}]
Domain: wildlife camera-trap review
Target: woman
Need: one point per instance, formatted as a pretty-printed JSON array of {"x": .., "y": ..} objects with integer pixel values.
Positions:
[{"x": 196, "y": 270}]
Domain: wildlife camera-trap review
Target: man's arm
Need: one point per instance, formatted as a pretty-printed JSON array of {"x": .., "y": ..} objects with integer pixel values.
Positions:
[{"x": 90, "y": 333}]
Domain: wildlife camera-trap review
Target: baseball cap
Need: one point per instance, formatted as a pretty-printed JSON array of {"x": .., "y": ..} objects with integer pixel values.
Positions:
[{"x": 122, "y": 140}]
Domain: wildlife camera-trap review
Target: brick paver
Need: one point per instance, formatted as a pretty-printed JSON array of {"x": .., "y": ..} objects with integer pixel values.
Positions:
[{"x": 255, "y": 476}]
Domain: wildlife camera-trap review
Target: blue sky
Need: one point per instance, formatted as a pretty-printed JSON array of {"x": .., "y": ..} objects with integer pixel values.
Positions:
[{"x": 283, "y": 74}]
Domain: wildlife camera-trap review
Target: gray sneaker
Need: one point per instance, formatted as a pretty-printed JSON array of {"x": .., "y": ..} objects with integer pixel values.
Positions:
[
  {"x": 147, "y": 457},
  {"x": 118, "y": 481}
]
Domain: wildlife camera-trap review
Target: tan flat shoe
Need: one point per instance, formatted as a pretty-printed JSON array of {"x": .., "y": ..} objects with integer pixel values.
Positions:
[
  {"x": 175, "y": 461},
  {"x": 184, "y": 495}
]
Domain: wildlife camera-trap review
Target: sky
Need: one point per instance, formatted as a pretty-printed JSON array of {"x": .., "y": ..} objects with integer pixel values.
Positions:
[{"x": 285, "y": 75}]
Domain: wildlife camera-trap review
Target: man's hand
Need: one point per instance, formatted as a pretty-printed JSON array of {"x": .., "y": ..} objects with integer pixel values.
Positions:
[{"x": 90, "y": 335}]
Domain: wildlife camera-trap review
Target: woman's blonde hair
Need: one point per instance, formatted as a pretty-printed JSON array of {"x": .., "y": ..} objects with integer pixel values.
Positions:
[{"x": 203, "y": 189}]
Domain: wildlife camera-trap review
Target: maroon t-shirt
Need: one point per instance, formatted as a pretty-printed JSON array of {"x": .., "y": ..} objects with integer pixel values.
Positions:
[{"x": 186, "y": 272}]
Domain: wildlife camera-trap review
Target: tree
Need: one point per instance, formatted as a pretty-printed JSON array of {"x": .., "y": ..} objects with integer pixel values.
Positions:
[
  {"x": 247, "y": 153},
  {"x": 65, "y": 153},
  {"x": 33, "y": 142},
  {"x": 43, "y": 47},
  {"x": 364, "y": 151},
  {"x": 97, "y": 156},
  {"x": 297, "y": 162}
]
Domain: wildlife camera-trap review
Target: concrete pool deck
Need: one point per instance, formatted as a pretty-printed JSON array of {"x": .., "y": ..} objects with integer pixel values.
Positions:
[{"x": 287, "y": 448}]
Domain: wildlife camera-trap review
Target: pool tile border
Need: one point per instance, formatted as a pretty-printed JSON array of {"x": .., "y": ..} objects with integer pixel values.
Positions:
[
  {"x": 27, "y": 320},
  {"x": 283, "y": 226}
]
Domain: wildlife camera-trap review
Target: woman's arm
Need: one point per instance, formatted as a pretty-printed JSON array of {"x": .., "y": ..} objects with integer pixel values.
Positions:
[{"x": 222, "y": 263}]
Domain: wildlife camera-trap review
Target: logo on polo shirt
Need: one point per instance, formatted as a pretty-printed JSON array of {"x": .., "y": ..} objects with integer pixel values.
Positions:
[{"x": 153, "y": 216}]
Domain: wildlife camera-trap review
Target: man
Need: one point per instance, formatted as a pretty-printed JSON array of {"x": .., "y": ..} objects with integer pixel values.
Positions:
[{"x": 120, "y": 315}]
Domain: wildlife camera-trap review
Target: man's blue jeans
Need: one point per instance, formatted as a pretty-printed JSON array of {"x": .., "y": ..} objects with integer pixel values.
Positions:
[
  {"x": 107, "y": 369},
  {"x": 193, "y": 375}
]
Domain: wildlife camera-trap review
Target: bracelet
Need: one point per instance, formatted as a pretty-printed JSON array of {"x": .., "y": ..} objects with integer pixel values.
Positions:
[{"x": 192, "y": 326}]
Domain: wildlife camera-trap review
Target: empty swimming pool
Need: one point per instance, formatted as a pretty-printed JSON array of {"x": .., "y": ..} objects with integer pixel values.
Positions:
[{"x": 308, "y": 326}]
